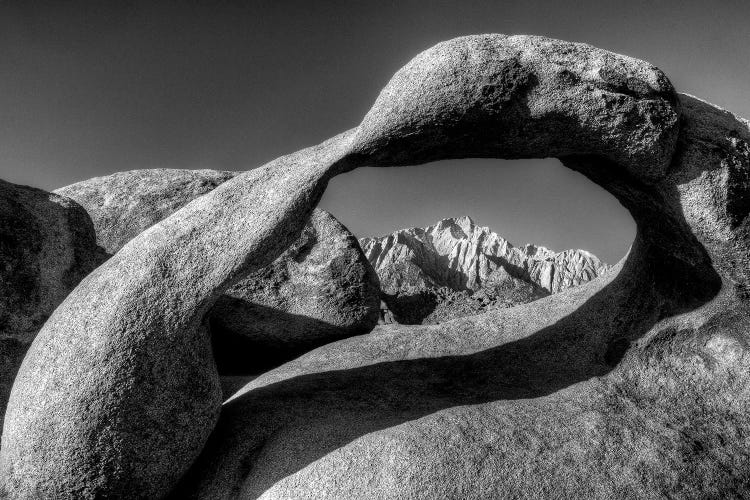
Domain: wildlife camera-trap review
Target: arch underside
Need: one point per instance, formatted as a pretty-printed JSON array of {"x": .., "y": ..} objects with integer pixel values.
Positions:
[{"x": 560, "y": 362}]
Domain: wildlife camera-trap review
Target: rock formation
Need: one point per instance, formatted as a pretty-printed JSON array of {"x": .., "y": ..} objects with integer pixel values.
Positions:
[
  {"x": 124, "y": 204},
  {"x": 432, "y": 274},
  {"x": 47, "y": 245},
  {"x": 321, "y": 289},
  {"x": 632, "y": 386}
]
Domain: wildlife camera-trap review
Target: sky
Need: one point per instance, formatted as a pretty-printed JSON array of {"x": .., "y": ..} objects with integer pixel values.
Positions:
[{"x": 91, "y": 88}]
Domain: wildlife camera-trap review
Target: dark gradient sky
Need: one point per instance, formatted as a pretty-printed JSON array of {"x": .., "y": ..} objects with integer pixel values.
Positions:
[{"x": 90, "y": 88}]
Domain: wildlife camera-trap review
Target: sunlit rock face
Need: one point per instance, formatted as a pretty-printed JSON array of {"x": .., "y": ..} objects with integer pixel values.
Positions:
[
  {"x": 456, "y": 268},
  {"x": 636, "y": 385},
  {"x": 461, "y": 255},
  {"x": 124, "y": 204}
]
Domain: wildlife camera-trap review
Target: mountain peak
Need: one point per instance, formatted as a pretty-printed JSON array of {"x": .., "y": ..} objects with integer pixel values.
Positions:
[
  {"x": 462, "y": 220},
  {"x": 465, "y": 223},
  {"x": 454, "y": 254}
]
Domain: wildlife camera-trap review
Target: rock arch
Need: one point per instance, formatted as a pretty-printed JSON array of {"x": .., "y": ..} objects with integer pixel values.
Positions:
[{"x": 119, "y": 392}]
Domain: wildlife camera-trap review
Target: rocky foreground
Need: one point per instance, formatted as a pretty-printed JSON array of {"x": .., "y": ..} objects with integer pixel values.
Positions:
[
  {"x": 633, "y": 385},
  {"x": 456, "y": 268}
]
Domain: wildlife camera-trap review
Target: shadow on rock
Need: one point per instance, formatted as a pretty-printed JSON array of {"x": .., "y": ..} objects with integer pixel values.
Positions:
[
  {"x": 47, "y": 246},
  {"x": 411, "y": 308},
  {"x": 273, "y": 336},
  {"x": 322, "y": 412}
]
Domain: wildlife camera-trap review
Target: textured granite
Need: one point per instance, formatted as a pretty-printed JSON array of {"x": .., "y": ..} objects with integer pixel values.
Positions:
[{"x": 631, "y": 386}]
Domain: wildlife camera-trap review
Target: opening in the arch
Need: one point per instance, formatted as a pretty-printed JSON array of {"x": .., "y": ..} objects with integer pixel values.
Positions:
[{"x": 463, "y": 237}]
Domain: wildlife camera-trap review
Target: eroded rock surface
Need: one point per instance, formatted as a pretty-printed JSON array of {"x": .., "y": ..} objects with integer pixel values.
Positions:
[
  {"x": 523, "y": 97},
  {"x": 47, "y": 246},
  {"x": 124, "y": 204},
  {"x": 633, "y": 386},
  {"x": 321, "y": 289},
  {"x": 137, "y": 377}
]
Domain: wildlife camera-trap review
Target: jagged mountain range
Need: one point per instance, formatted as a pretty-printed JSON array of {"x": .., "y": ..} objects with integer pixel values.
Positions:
[{"x": 458, "y": 262}]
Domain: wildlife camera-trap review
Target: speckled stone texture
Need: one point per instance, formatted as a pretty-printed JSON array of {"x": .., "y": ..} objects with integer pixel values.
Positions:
[
  {"x": 119, "y": 390},
  {"x": 124, "y": 204},
  {"x": 47, "y": 246},
  {"x": 632, "y": 386},
  {"x": 321, "y": 289}
]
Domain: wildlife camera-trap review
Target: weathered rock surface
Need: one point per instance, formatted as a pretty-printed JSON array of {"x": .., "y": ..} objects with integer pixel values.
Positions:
[
  {"x": 124, "y": 204},
  {"x": 321, "y": 289},
  {"x": 522, "y": 97},
  {"x": 119, "y": 390},
  {"x": 634, "y": 386},
  {"x": 456, "y": 268},
  {"x": 47, "y": 246}
]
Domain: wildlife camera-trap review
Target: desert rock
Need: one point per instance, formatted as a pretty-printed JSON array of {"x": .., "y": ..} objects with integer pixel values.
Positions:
[
  {"x": 633, "y": 385},
  {"x": 47, "y": 245},
  {"x": 321, "y": 289},
  {"x": 136, "y": 378},
  {"x": 124, "y": 204}
]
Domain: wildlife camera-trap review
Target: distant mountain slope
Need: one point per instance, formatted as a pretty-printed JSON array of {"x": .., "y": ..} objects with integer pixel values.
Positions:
[{"x": 457, "y": 267}]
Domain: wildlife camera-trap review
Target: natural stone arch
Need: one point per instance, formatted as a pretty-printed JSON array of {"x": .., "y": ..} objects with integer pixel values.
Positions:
[{"x": 119, "y": 391}]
